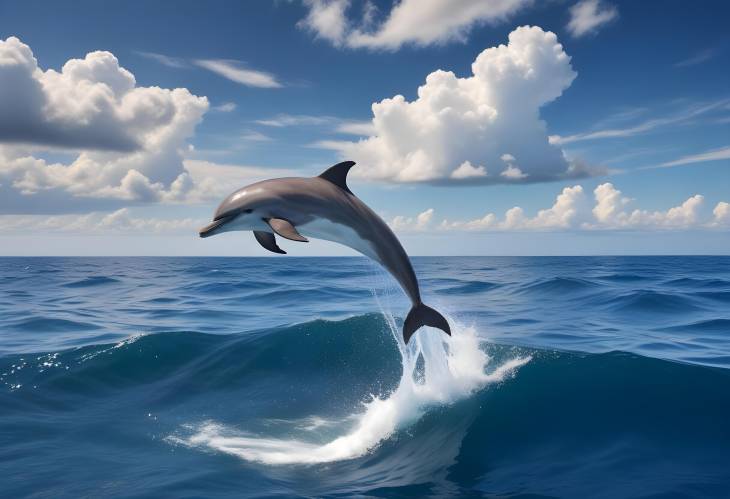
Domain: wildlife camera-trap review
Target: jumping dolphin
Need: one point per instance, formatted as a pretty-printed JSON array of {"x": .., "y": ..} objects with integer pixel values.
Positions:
[{"x": 323, "y": 207}]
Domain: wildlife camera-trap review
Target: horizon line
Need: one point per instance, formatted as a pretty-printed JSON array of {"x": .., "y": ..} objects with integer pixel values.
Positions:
[{"x": 362, "y": 256}]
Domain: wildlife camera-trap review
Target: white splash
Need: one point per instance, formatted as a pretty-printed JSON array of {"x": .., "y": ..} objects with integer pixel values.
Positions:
[{"x": 455, "y": 368}]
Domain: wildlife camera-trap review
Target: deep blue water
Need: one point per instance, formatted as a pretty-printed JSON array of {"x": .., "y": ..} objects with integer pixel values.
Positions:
[{"x": 219, "y": 377}]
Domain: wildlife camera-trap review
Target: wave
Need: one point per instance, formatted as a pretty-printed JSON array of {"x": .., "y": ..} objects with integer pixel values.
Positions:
[
  {"x": 650, "y": 302},
  {"x": 619, "y": 277},
  {"x": 721, "y": 296},
  {"x": 365, "y": 415},
  {"x": 452, "y": 369},
  {"x": 708, "y": 326},
  {"x": 553, "y": 285},
  {"x": 50, "y": 324},
  {"x": 581, "y": 304},
  {"x": 469, "y": 287},
  {"x": 228, "y": 376},
  {"x": 219, "y": 287},
  {"x": 694, "y": 282},
  {"x": 88, "y": 282}
]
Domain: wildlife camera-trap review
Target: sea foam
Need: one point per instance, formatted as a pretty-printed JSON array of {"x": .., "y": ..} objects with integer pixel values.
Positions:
[{"x": 452, "y": 369}]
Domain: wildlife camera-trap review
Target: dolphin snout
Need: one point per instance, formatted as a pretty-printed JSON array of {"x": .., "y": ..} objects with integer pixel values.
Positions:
[
  {"x": 207, "y": 231},
  {"x": 211, "y": 228}
]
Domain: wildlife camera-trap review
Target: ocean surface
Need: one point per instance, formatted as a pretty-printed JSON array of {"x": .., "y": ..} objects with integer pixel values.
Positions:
[{"x": 279, "y": 377}]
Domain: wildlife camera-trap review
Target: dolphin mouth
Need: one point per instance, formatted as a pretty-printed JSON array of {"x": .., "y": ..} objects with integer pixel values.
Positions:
[{"x": 211, "y": 228}]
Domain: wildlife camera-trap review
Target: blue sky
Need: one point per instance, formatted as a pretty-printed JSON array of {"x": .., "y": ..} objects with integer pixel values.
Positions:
[{"x": 610, "y": 136}]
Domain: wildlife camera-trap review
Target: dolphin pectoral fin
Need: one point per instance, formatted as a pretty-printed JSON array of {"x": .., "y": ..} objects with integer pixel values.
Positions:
[
  {"x": 268, "y": 241},
  {"x": 337, "y": 174},
  {"x": 423, "y": 315},
  {"x": 285, "y": 229}
]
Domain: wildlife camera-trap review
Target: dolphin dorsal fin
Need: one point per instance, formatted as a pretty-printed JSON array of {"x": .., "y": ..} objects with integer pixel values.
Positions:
[{"x": 337, "y": 174}]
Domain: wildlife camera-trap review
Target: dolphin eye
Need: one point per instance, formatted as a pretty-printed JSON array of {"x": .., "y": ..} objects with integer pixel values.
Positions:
[{"x": 248, "y": 211}]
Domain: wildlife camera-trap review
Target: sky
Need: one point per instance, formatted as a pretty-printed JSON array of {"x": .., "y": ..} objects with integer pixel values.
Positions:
[{"x": 479, "y": 127}]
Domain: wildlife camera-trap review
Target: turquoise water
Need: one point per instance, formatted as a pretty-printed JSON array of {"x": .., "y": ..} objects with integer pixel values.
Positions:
[{"x": 228, "y": 377}]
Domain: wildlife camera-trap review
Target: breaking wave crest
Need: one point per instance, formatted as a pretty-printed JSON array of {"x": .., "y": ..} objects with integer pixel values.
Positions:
[{"x": 436, "y": 370}]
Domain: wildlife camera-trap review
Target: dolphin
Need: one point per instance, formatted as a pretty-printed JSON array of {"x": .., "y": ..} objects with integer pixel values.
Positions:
[{"x": 323, "y": 207}]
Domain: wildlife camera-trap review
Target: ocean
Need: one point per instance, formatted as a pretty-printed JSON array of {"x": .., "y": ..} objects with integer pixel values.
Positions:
[{"x": 286, "y": 377}]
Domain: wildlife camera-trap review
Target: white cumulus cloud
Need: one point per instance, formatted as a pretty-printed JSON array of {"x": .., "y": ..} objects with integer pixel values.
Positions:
[
  {"x": 417, "y": 22},
  {"x": 611, "y": 211},
  {"x": 421, "y": 222},
  {"x": 568, "y": 211},
  {"x": 327, "y": 19},
  {"x": 128, "y": 140},
  {"x": 721, "y": 214},
  {"x": 467, "y": 170},
  {"x": 572, "y": 210},
  {"x": 91, "y": 103},
  {"x": 458, "y": 129},
  {"x": 111, "y": 141}
]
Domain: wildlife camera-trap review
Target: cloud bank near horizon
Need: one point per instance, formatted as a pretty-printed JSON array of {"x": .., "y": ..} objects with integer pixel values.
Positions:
[{"x": 572, "y": 210}]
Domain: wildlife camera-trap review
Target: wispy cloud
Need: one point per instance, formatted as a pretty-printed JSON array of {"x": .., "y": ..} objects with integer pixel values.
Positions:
[
  {"x": 226, "y": 107},
  {"x": 360, "y": 128},
  {"x": 588, "y": 15},
  {"x": 712, "y": 155},
  {"x": 682, "y": 117},
  {"x": 233, "y": 70},
  {"x": 253, "y": 136},
  {"x": 332, "y": 145},
  {"x": 698, "y": 58},
  {"x": 285, "y": 120},
  {"x": 236, "y": 72},
  {"x": 165, "y": 60},
  {"x": 624, "y": 115},
  {"x": 336, "y": 125}
]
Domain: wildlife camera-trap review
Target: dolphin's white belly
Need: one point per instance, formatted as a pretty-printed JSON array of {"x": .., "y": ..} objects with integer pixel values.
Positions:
[{"x": 323, "y": 228}]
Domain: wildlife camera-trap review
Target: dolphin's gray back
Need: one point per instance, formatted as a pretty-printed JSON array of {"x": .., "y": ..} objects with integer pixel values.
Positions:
[
  {"x": 372, "y": 229},
  {"x": 325, "y": 208},
  {"x": 303, "y": 201}
]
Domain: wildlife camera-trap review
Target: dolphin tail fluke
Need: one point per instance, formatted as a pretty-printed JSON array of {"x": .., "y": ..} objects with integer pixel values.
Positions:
[{"x": 423, "y": 315}]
